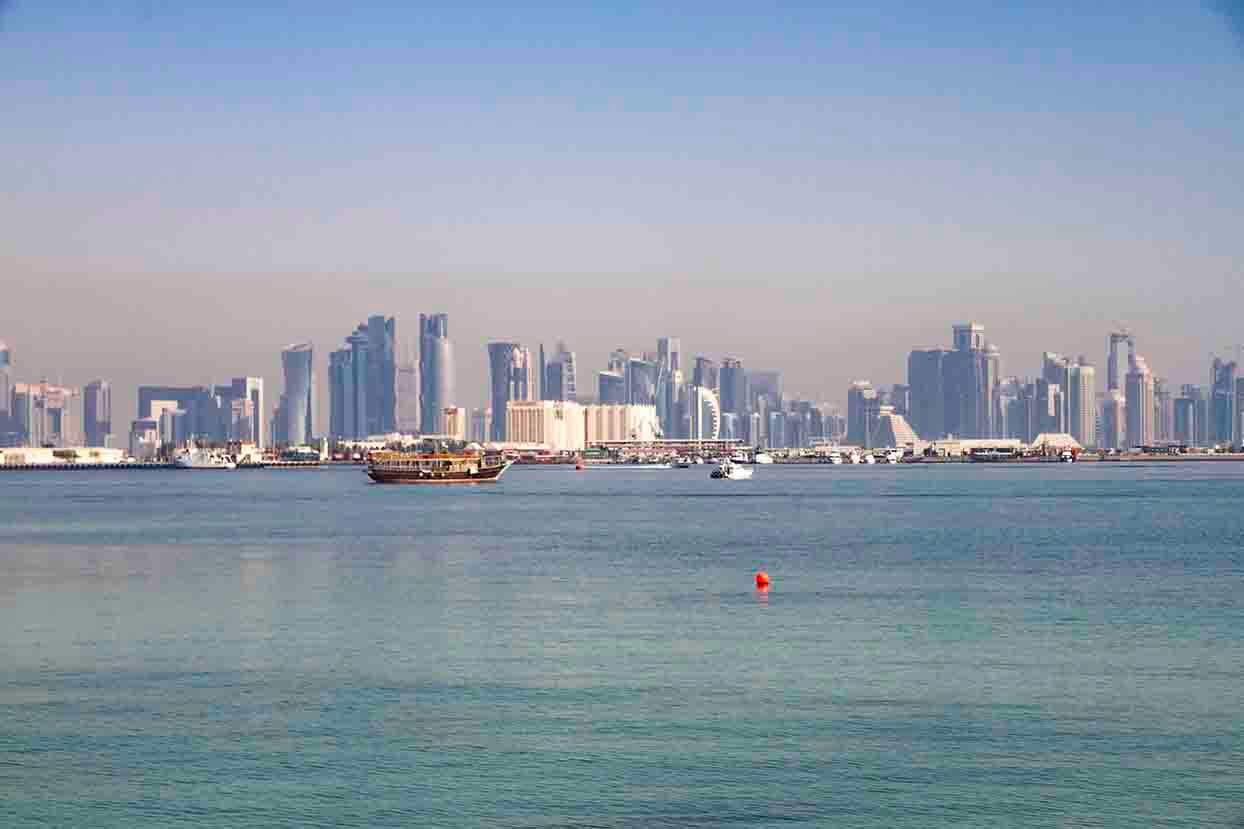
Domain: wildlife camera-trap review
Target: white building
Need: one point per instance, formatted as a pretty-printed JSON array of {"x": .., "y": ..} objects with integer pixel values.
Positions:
[
  {"x": 456, "y": 423},
  {"x": 620, "y": 422},
  {"x": 557, "y": 424},
  {"x": 35, "y": 456}
]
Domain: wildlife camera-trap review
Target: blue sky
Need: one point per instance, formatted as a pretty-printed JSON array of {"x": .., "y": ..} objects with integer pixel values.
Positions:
[{"x": 854, "y": 177}]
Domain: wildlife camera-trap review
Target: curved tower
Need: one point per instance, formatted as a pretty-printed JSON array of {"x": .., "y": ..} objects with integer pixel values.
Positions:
[
  {"x": 298, "y": 403},
  {"x": 436, "y": 372}
]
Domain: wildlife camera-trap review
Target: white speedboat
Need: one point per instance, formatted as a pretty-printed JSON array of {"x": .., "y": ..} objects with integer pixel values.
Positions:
[
  {"x": 763, "y": 458},
  {"x": 730, "y": 470},
  {"x": 203, "y": 459}
]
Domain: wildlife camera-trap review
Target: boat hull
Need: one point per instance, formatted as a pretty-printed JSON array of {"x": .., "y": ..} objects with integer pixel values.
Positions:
[{"x": 485, "y": 475}]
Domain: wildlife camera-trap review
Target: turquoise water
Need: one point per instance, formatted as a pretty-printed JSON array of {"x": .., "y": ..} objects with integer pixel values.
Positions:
[{"x": 948, "y": 646}]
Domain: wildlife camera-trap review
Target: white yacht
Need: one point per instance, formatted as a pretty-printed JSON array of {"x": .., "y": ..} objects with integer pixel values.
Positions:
[
  {"x": 192, "y": 458},
  {"x": 763, "y": 458},
  {"x": 729, "y": 470}
]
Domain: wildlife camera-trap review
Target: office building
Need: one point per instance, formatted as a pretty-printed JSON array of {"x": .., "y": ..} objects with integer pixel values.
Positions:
[
  {"x": 296, "y": 418},
  {"x": 97, "y": 413},
  {"x": 409, "y": 395},
  {"x": 1140, "y": 403},
  {"x": 641, "y": 382},
  {"x": 611, "y": 388},
  {"x": 556, "y": 424},
  {"x": 349, "y": 396},
  {"x": 1222, "y": 402},
  {"x": 436, "y": 372},
  {"x": 560, "y": 375},
  {"x": 704, "y": 374},
  {"x": 669, "y": 353},
  {"x": 1163, "y": 412},
  {"x": 6, "y": 393},
  {"x": 512, "y": 377},
  {"x": 926, "y": 392},
  {"x": 1082, "y": 403},
  {"x": 240, "y": 407},
  {"x": 1113, "y": 420},
  {"x": 619, "y": 422},
  {"x": 863, "y": 409},
  {"x": 1191, "y": 413},
  {"x": 970, "y": 374},
  {"x": 458, "y": 425},
  {"x": 733, "y": 392},
  {"x": 47, "y": 415}
]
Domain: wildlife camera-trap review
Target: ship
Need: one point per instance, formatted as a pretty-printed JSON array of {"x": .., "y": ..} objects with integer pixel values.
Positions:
[
  {"x": 192, "y": 458},
  {"x": 441, "y": 465}
]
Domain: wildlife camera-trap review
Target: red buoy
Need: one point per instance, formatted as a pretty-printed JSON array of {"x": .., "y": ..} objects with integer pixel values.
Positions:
[{"x": 762, "y": 580}]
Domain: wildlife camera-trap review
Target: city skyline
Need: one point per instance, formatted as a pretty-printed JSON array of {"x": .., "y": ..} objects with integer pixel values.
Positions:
[{"x": 831, "y": 196}]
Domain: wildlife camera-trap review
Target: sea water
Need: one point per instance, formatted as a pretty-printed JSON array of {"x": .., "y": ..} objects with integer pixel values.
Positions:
[{"x": 956, "y": 646}]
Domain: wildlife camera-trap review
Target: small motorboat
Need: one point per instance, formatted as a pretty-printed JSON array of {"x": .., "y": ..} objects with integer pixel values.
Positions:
[{"x": 729, "y": 470}]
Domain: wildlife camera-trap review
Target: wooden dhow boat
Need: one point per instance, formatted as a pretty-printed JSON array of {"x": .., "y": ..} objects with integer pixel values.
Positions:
[{"x": 467, "y": 464}]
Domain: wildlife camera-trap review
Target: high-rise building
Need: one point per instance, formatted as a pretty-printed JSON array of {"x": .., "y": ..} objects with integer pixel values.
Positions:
[
  {"x": 733, "y": 385},
  {"x": 927, "y": 406},
  {"x": 348, "y": 388},
  {"x": 1082, "y": 403},
  {"x": 611, "y": 388},
  {"x": 641, "y": 382},
  {"x": 1113, "y": 420},
  {"x": 1191, "y": 416},
  {"x": 512, "y": 375},
  {"x": 1140, "y": 403},
  {"x": 619, "y": 422},
  {"x": 704, "y": 374},
  {"x": 669, "y": 353},
  {"x": 199, "y": 404},
  {"x": 47, "y": 415},
  {"x": 6, "y": 391},
  {"x": 1056, "y": 370},
  {"x": 97, "y": 413},
  {"x": 436, "y": 372},
  {"x": 863, "y": 409},
  {"x": 970, "y": 374},
  {"x": 381, "y": 374},
  {"x": 409, "y": 398},
  {"x": 969, "y": 336},
  {"x": 670, "y": 381},
  {"x": 297, "y": 410},
  {"x": 560, "y": 378},
  {"x": 1163, "y": 411},
  {"x": 1222, "y": 403}
]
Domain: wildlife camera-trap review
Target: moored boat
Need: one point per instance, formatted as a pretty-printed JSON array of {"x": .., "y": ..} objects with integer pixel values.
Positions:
[
  {"x": 193, "y": 458},
  {"x": 469, "y": 465}
]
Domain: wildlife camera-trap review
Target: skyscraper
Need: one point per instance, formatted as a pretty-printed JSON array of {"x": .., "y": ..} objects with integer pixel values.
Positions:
[
  {"x": 863, "y": 409},
  {"x": 409, "y": 399},
  {"x": 705, "y": 373},
  {"x": 927, "y": 394},
  {"x": 1082, "y": 403},
  {"x": 669, "y": 385},
  {"x": 6, "y": 383},
  {"x": 381, "y": 335},
  {"x": 512, "y": 374},
  {"x": 560, "y": 378},
  {"x": 669, "y": 353},
  {"x": 641, "y": 382},
  {"x": 436, "y": 371},
  {"x": 1140, "y": 408},
  {"x": 97, "y": 413},
  {"x": 1222, "y": 411},
  {"x": 298, "y": 402},
  {"x": 348, "y": 388},
  {"x": 732, "y": 380},
  {"x": 969, "y": 383},
  {"x": 1113, "y": 420},
  {"x": 611, "y": 388}
]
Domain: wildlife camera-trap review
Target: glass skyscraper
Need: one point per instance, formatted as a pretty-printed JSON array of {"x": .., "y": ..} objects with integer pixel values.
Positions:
[
  {"x": 436, "y": 371},
  {"x": 297, "y": 412}
]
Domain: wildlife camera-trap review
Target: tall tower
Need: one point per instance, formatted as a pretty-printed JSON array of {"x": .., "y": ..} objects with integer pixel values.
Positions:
[
  {"x": 6, "y": 389},
  {"x": 381, "y": 374},
  {"x": 436, "y": 372},
  {"x": 1140, "y": 408},
  {"x": 512, "y": 378},
  {"x": 298, "y": 402},
  {"x": 97, "y": 412}
]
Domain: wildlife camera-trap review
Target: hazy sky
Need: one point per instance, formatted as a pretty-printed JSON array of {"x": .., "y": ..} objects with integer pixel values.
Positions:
[{"x": 812, "y": 188}]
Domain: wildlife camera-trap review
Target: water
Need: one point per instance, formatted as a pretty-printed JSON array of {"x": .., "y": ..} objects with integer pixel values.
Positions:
[{"x": 947, "y": 646}]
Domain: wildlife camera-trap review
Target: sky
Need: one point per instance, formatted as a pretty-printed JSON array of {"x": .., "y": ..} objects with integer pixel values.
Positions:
[{"x": 811, "y": 187}]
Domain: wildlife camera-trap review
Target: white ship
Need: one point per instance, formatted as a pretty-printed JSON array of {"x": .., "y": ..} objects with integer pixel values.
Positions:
[
  {"x": 203, "y": 459},
  {"x": 731, "y": 471}
]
